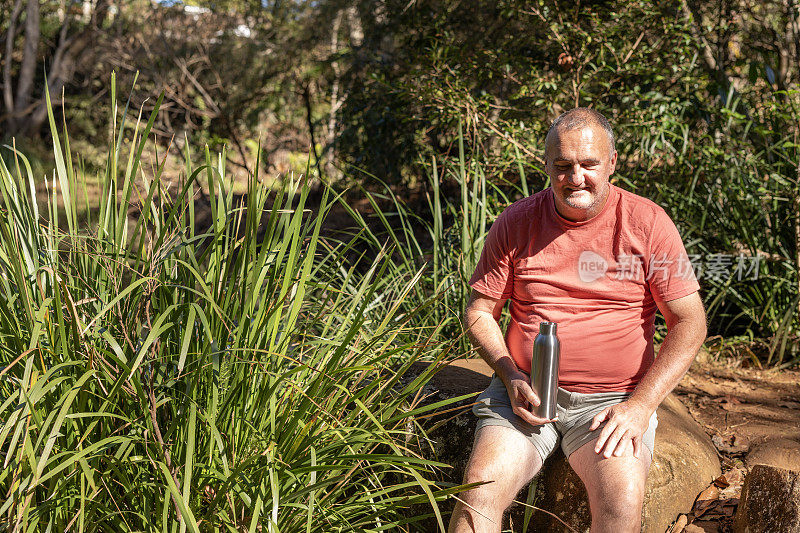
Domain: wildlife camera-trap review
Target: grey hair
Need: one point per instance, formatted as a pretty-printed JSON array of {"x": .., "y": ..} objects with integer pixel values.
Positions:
[{"x": 582, "y": 117}]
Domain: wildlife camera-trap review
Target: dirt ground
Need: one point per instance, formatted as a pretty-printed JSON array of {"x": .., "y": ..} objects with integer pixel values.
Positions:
[{"x": 741, "y": 409}]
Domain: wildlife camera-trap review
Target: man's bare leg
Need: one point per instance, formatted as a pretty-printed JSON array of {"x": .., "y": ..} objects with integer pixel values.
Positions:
[
  {"x": 615, "y": 487},
  {"x": 506, "y": 457}
]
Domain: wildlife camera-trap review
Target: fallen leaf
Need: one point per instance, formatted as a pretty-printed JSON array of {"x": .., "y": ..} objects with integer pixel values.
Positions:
[
  {"x": 710, "y": 388},
  {"x": 731, "y": 493},
  {"x": 721, "y": 482},
  {"x": 734, "y": 476},
  {"x": 729, "y": 403},
  {"x": 691, "y": 528},
  {"x": 704, "y": 526},
  {"x": 729, "y": 510},
  {"x": 740, "y": 442},
  {"x": 731, "y": 399},
  {"x": 705, "y": 500},
  {"x": 679, "y": 524},
  {"x": 733, "y": 444},
  {"x": 715, "y": 512}
]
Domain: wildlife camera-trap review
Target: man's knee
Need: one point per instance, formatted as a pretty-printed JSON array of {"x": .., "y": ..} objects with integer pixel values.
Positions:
[
  {"x": 502, "y": 461},
  {"x": 618, "y": 500},
  {"x": 493, "y": 493},
  {"x": 499, "y": 481},
  {"x": 480, "y": 508}
]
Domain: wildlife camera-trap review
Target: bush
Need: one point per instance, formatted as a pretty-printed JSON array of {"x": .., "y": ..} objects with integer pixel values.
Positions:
[{"x": 160, "y": 375}]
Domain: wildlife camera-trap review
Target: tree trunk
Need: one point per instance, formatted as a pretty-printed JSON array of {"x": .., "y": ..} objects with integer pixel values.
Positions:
[
  {"x": 310, "y": 123},
  {"x": 71, "y": 52},
  {"x": 336, "y": 102},
  {"x": 27, "y": 70},
  {"x": 356, "y": 28},
  {"x": 714, "y": 64},
  {"x": 8, "y": 95}
]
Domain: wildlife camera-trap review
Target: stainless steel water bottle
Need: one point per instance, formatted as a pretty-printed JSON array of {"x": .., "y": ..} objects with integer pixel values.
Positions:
[{"x": 544, "y": 369}]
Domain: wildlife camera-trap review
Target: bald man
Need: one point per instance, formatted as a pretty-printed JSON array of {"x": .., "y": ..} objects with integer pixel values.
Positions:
[{"x": 599, "y": 261}]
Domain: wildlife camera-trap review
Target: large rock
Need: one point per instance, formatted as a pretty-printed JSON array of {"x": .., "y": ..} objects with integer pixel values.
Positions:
[
  {"x": 782, "y": 453},
  {"x": 685, "y": 460},
  {"x": 453, "y": 441},
  {"x": 770, "y": 501}
]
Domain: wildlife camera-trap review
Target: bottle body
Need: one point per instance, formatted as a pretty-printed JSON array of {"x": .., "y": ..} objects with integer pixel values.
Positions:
[{"x": 544, "y": 369}]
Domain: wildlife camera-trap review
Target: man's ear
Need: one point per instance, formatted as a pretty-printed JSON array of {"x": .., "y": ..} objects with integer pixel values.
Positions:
[{"x": 613, "y": 162}]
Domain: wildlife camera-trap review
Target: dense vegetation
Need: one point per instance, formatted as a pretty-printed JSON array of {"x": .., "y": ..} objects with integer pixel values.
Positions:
[
  {"x": 703, "y": 96},
  {"x": 185, "y": 341},
  {"x": 162, "y": 375}
]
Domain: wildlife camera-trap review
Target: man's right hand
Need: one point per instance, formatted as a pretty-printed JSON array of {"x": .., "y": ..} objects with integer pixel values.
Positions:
[
  {"x": 481, "y": 317},
  {"x": 523, "y": 399}
]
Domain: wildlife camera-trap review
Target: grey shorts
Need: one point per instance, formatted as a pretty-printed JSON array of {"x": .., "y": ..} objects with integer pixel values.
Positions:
[{"x": 574, "y": 410}]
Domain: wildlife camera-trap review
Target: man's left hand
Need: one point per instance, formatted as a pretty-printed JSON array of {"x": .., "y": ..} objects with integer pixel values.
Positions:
[{"x": 626, "y": 422}]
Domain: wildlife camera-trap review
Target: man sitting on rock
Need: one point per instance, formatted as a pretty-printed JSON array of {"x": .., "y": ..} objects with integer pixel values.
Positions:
[{"x": 598, "y": 261}]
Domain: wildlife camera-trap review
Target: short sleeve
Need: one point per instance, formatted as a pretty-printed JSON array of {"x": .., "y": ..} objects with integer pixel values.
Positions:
[
  {"x": 669, "y": 271},
  {"x": 494, "y": 274}
]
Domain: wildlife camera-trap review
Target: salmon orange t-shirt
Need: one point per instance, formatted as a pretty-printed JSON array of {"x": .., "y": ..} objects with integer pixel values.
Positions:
[{"x": 599, "y": 280}]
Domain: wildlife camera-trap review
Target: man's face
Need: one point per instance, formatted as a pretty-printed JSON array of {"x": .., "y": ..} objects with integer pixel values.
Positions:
[{"x": 579, "y": 164}]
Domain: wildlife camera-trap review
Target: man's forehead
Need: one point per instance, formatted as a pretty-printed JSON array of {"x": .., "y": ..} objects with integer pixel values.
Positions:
[{"x": 587, "y": 140}]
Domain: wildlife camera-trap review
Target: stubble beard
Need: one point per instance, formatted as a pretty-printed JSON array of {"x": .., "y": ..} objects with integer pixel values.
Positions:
[{"x": 584, "y": 203}]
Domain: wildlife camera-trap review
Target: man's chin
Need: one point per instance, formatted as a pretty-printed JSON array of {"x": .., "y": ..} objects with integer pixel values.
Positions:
[{"x": 579, "y": 200}]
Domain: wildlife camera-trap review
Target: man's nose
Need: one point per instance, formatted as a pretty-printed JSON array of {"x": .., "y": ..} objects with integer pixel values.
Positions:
[{"x": 576, "y": 175}]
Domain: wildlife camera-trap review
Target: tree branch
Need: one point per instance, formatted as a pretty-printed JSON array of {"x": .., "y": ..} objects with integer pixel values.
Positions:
[{"x": 695, "y": 20}]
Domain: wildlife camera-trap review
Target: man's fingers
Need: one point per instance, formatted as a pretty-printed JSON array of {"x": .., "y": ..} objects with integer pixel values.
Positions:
[
  {"x": 622, "y": 447},
  {"x": 524, "y": 414},
  {"x": 542, "y": 421},
  {"x": 530, "y": 395},
  {"x": 613, "y": 440},
  {"x": 528, "y": 417},
  {"x": 637, "y": 447},
  {"x": 598, "y": 419},
  {"x": 522, "y": 411},
  {"x": 604, "y": 434}
]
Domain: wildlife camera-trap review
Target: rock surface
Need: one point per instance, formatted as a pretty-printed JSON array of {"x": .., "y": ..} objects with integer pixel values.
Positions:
[
  {"x": 685, "y": 461},
  {"x": 770, "y": 501},
  {"x": 782, "y": 453}
]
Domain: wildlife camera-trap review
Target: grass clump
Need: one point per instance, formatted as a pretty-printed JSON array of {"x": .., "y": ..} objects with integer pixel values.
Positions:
[{"x": 162, "y": 376}]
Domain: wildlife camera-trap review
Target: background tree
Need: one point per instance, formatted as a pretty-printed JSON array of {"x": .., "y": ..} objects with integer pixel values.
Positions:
[{"x": 64, "y": 35}]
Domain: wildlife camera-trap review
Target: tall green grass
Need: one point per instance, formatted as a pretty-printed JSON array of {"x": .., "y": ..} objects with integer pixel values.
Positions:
[
  {"x": 441, "y": 238},
  {"x": 156, "y": 375}
]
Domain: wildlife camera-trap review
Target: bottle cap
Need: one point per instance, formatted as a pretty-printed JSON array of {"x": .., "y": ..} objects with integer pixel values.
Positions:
[{"x": 547, "y": 328}]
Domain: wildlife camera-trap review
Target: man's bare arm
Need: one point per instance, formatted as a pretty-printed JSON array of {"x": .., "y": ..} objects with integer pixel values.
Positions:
[
  {"x": 686, "y": 332},
  {"x": 481, "y": 318},
  {"x": 626, "y": 422}
]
